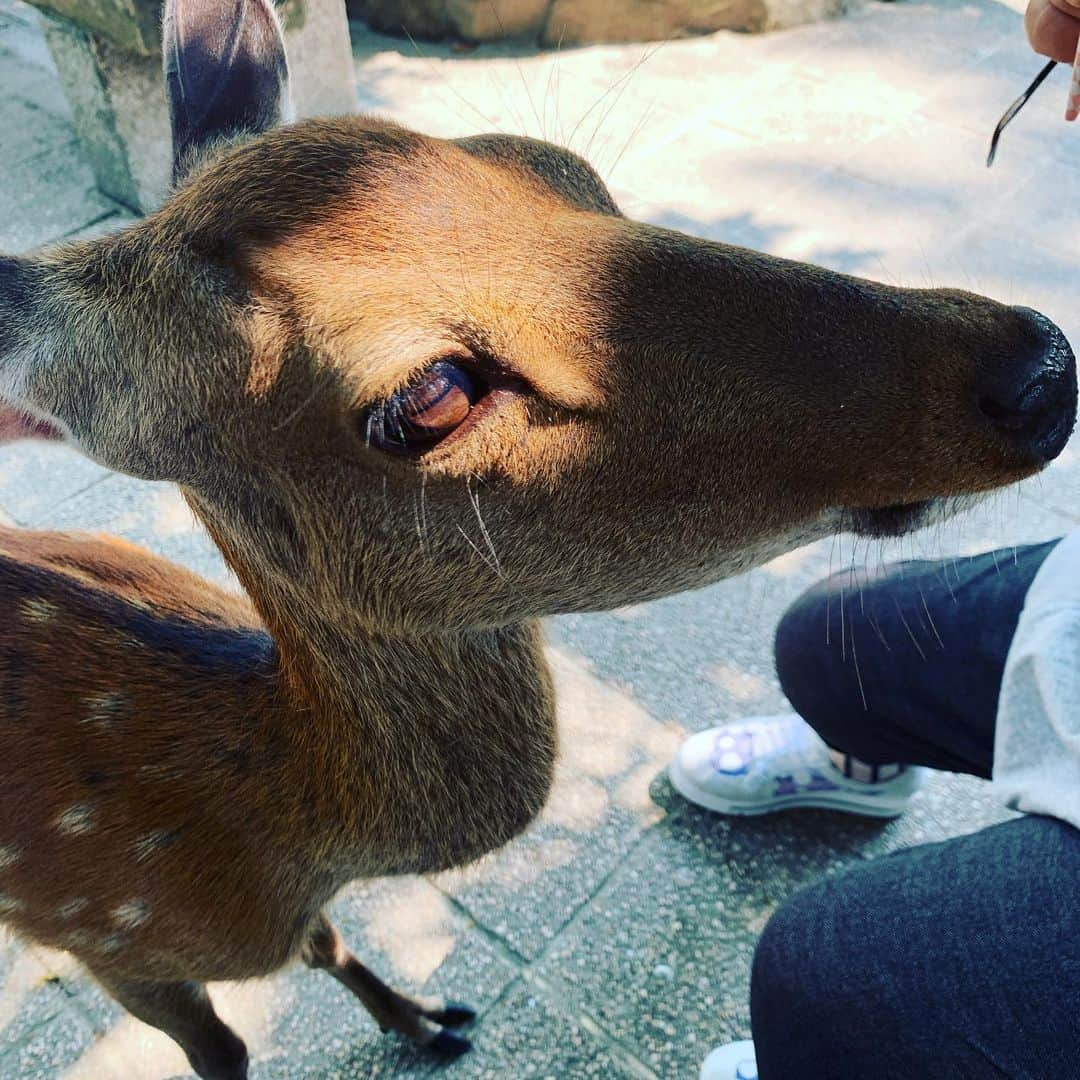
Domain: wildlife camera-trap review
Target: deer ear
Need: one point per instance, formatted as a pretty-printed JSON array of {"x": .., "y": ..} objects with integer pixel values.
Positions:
[{"x": 225, "y": 72}]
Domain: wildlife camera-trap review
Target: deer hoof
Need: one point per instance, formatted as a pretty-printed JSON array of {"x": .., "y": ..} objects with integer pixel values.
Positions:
[
  {"x": 453, "y": 1014},
  {"x": 448, "y": 1045}
]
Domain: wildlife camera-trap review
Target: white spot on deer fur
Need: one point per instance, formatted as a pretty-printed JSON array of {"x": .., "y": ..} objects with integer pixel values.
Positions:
[
  {"x": 70, "y": 908},
  {"x": 36, "y": 610},
  {"x": 8, "y": 855},
  {"x": 77, "y": 820},
  {"x": 151, "y": 843},
  {"x": 132, "y": 914},
  {"x": 80, "y": 939},
  {"x": 9, "y": 904},
  {"x": 105, "y": 709},
  {"x": 113, "y": 943}
]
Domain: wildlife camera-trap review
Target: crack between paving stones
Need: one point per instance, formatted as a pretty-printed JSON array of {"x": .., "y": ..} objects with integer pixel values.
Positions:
[
  {"x": 71, "y": 144},
  {"x": 579, "y": 912},
  {"x": 23, "y": 523},
  {"x": 502, "y": 947},
  {"x": 120, "y": 209},
  {"x": 507, "y": 950},
  {"x": 554, "y": 994},
  {"x": 29, "y": 1033},
  {"x": 563, "y": 991}
]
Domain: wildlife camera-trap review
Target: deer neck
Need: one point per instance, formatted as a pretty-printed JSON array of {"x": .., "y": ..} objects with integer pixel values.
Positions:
[
  {"x": 407, "y": 753},
  {"x": 431, "y": 750}
]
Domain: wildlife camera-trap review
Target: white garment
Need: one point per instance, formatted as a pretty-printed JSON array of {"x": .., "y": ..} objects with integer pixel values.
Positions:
[{"x": 1037, "y": 739}]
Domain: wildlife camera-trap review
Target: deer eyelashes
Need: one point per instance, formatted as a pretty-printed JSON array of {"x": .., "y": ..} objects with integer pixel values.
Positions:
[{"x": 424, "y": 412}]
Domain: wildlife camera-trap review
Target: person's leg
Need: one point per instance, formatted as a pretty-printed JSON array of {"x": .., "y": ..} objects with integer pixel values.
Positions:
[
  {"x": 893, "y": 669},
  {"x": 905, "y": 665},
  {"x": 959, "y": 959}
]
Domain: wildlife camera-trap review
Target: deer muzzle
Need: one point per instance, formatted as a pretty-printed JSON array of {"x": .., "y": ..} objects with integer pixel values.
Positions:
[
  {"x": 833, "y": 393},
  {"x": 1031, "y": 402}
]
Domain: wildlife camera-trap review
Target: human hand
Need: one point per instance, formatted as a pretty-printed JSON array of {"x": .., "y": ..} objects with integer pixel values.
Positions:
[{"x": 1053, "y": 27}]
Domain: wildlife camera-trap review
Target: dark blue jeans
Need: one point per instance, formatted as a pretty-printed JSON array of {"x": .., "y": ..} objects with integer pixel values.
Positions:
[{"x": 955, "y": 960}]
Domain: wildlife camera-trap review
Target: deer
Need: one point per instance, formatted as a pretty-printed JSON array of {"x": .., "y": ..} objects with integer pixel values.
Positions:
[{"x": 422, "y": 393}]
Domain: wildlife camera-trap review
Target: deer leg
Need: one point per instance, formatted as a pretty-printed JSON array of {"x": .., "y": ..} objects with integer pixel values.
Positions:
[
  {"x": 422, "y": 1020},
  {"x": 183, "y": 1010}
]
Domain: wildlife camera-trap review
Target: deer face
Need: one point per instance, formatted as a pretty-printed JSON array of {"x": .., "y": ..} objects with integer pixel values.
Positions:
[{"x": 439, "y": 384}]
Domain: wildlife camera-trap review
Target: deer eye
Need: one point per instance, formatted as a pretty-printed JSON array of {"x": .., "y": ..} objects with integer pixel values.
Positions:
[{"x": 425, "y": 411}]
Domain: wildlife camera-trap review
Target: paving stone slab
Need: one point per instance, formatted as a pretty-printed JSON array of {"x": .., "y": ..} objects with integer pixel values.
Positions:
[
  {"x": 601, "y": 102},
  {"x": 1008, "y": 261},
  {"x": 524, "y": 1035},
  {"x": 21, "y": 38},
  {"x": 699, "y": 658},
  {"x": 661, "y": 957},
  {"x": 35, "y": 477},
  {"x": 1058, "y": 490},
  {"x": 611, "y": 748},
  {"x": 529, "y": 1035},
  {"x": 46, "y": 1052},
  {"x": 948, "y": 167},
  {"x": 1043, "y": 222},
  {"x": 40, "y": 1032},
  {"x": 35, "y": 106},
  {"x": 73, "y": 200},
  {"x": 153, "y": 515}
]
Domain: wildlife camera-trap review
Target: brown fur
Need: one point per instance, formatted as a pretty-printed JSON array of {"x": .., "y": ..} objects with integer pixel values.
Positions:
[
  {"x": 142, "y": 693},
  {"x": 189, "y": 777}
]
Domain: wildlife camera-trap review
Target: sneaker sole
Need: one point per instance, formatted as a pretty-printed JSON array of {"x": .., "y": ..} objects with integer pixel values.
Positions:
[{"x": 840, "y": 801}]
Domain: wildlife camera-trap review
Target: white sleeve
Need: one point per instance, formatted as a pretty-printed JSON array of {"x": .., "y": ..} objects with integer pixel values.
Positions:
[{"x": 1037, "y": 738}]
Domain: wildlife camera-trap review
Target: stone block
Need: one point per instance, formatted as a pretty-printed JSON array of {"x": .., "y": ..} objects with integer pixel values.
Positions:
[
  {"x": 322, "y": 81},
  {"x": 116, "y": 90},
  {"x": 581, "y": 22},
  {"x": 134, "y": 25},
  {"x": 418, "y": 18},
  {"x": 482, "y": 20},
  {"x": 73, "y": 201},
  {"x": 118, "y": 103}
]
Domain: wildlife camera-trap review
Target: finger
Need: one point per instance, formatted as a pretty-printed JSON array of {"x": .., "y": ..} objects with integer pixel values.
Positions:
[{"x": 1053, "y": 27}]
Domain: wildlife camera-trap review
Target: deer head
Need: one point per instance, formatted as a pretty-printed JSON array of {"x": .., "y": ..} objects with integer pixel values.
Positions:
[{"x": 417, "y": 385}]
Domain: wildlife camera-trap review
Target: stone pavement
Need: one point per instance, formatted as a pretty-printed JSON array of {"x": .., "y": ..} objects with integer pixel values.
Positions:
[{"x": 615, "y": 939}]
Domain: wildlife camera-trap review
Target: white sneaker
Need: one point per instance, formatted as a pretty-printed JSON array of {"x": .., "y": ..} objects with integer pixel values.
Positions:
[
  {"x": 769, "y": 763},
  {"x": 735, "y": 1061}
]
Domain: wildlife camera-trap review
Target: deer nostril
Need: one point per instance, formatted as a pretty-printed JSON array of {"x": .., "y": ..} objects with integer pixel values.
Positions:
[{"x": 1032, "y": 402}]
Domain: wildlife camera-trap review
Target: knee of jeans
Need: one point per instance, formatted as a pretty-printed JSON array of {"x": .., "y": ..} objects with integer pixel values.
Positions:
[
  {"x": 806, "y": 650},
  {"x": 781, "y": 955},
  {"x": 790, "y": 980}
]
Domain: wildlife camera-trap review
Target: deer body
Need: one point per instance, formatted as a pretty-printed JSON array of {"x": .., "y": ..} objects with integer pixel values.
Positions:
[
  {"x": 421, "y": 393},
  {"x": 430, "y": 755}
]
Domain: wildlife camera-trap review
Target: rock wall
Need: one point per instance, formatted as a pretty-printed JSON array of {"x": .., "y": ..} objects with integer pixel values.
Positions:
[{"x": 581, "y": 22}]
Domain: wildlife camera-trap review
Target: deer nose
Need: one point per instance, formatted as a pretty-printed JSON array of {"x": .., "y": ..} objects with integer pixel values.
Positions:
[{"x": 1031, "y": 400}]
